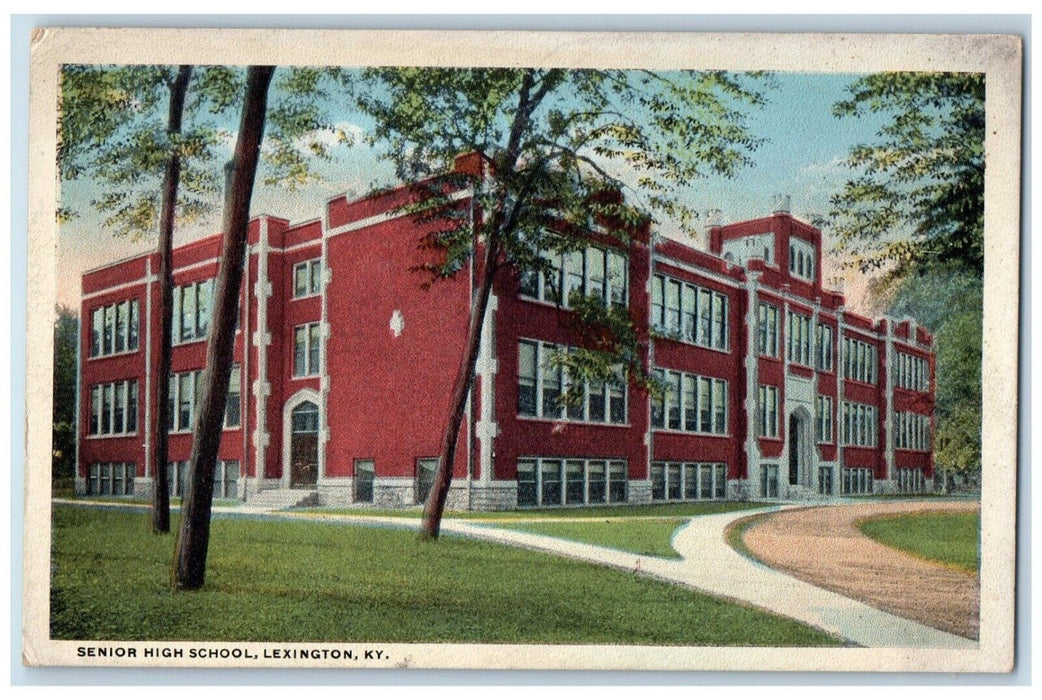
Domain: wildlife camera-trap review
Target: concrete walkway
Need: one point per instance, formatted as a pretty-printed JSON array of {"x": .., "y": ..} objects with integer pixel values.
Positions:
[
  {"x": 709, "y": 564},
  {"x": 712, "y": 566}
]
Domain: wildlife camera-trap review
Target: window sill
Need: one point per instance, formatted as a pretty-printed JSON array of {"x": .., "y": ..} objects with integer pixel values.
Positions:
[
  {"x": 560, "y": 307},
  {"x": 568, "y": 421},
  {"x": 109, "y": 436},
  {"x": 690, "y": 433},
  {"x": 691, "y": 343},
  {"x": 114, "y": 354},
  {"x": 315, "y": 295}
]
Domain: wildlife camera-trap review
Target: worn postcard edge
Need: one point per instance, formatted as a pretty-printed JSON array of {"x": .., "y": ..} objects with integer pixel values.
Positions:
[{"x": 998, "y": 56}]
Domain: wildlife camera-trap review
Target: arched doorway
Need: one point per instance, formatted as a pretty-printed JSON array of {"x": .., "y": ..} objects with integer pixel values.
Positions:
[
  {"x": 799, "y": 439},
  {"x": 303, "y": 447}
]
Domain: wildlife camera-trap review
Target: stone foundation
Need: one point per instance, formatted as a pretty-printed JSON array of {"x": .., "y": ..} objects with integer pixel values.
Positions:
[
  {"x": 143, "y": 487},
  {"x": 394, "y": 492},
  {"x": 738, "y": 490},
  {"x": 638, "y": 491},
  {"x": 337, "y": 493},
  {"x": 884, "y": 486},
  {"x": 493, "y": 495}
]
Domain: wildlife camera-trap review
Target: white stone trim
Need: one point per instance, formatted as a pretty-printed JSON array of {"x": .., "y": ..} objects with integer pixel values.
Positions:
[
  {"x": 752, "y": 384},
  {"x": 261, "y": 387},
  {"x": 119, "y": 287},
  {"x": 386, "y": 216},
  {"x": 487, "y": 367},
  {"x": 691, "y": 269},
  {"x": 287, "y": 430},
  {"x": 148, "y": 370}
]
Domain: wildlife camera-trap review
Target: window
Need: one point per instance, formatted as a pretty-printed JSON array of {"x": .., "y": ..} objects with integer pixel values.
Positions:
[
  {"x": 910, "y": 480},
  {"x": 192, "y": 311},
  {"x": 307, "y": 278},
  {"x": 111, "y": 479},
  {"x": 911, "y": 431},
  {"x": 769, "y": 481},
  {"x": 527, "y": 483},
  {"x": 768, "y": 411},
  {"x": 226, "y": 479},
  {"x": 825, "y": 480},
  {"x": 425, "y": 470},
  {"x": 306, "y": 350},
  {"x": 912, "y": 372},
  {"x": 859, "y": 361},
  {"x": 542, "y": 381},
  {"x": 233, "y": 407},
  {"x": 177, "y": 479},
  {"x": 858, "y": 480},
  {"x": 186, "y": 391},
  {"x": 555, "y": 482},
  {"x": 799, "y": 339},
  {"x": 574, "y": 482},
  {"x": 113, "y": 408},
  {"x": 689, "y": 313},
  {"x": 823, "y": 347},
  {"x": 114, "y": 329},
  {"x": 671, "y": 481},
  {"x": 801, "y": 259},
  {"x": 691, "y": 403},
  {"x": 594, "y": 272},
  {"x": 550, "y": 482},
  {"x": 527, "y": 364},
  {"x": 860, "y": 427},
  {"x": 226, "y": 475},
  {"x": 823, "y": 418},
  {"x": 365, "y": 475},
  {"x": 767, "y": 330}
]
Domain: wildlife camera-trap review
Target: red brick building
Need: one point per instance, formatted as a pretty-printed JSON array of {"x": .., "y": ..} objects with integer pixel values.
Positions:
[{"x": 344, "y": 364}]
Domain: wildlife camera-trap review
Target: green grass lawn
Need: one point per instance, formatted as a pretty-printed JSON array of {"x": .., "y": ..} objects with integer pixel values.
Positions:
[
  {"x": 952, "y": 539},
  {"x": 648, "y": 537},
  {"x": 648, "y": 531},
  {"x": 271, "y": 580}
]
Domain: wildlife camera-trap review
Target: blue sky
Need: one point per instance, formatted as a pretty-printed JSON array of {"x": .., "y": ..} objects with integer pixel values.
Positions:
[{"x": 802, "y": 156}]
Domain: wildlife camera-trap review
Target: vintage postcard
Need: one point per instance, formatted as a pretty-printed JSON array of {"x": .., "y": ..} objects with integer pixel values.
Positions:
[{"x": 504, "y": 350}]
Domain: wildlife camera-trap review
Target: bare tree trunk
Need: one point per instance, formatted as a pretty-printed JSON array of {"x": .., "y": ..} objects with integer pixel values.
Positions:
[
  {"x": 194, "y": 537},
  {"x": 435, "y": 504},
  {"x": 171, "y": 181}
]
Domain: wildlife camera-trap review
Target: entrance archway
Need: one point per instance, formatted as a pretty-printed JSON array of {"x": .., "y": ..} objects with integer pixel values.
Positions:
[
  {"x": 799, "y": 441},
  {"x": 303, "y": 447}
]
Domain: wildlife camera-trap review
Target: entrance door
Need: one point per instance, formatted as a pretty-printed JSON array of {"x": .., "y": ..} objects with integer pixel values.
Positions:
[
  {"x": 303, "y": 450},
  {"x": 794, "y": 450}
]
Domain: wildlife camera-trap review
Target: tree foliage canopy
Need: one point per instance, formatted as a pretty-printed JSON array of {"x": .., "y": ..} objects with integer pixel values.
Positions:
[
  {"x": 113, "y": 128},
  {"x": 916, "y": 210},
  {"x": 918, "y": 194},
  {"x": 559, "y": 146},
  {"x": 63, "y": 446}
]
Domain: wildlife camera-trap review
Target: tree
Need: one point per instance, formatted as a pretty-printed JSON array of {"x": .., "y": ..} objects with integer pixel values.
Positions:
[
  {"x": 194, "y": 535},
  {"x": 110, "y": 129},
  {"x": 915, "y": 210},
  {"x": 151, "y": 174},
  {"x": 63, "y": 445},
  {"x": 918, "y": 194},
  {"x": 556, "y": 147}
]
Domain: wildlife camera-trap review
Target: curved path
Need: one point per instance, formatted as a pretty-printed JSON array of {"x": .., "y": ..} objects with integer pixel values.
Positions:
[
  {"x": 712, "y": 566},
  {"x": 824, "y": 546}
]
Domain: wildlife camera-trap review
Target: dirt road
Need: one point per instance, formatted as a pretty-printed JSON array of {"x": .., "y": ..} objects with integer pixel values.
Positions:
[{"x": 823, "y": 546}]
